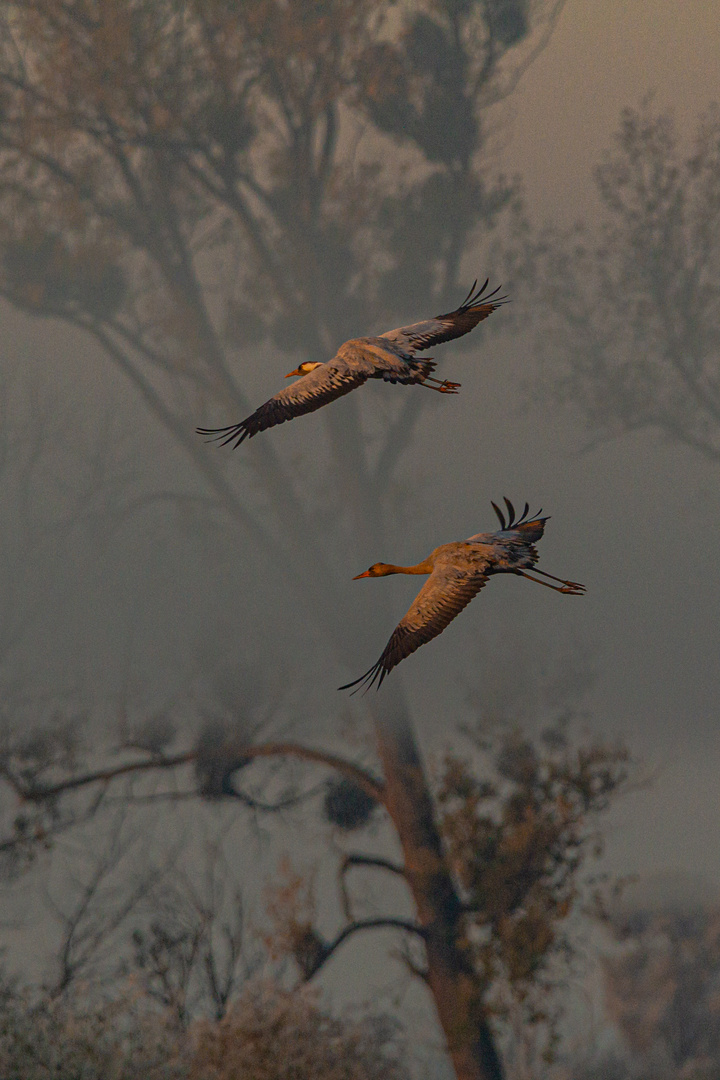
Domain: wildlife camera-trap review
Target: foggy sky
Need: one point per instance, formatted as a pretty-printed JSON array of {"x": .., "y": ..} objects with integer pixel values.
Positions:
[
  {"x": 602, "y": 57},
  {"x": 636, "y": 520},
  {"x": 650, "y": 510}
]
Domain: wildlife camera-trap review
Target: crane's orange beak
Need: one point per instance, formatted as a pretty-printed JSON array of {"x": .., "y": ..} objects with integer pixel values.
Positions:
[
  {"x": 358, "y": 576},
  {"x": 290, "y": 374}
]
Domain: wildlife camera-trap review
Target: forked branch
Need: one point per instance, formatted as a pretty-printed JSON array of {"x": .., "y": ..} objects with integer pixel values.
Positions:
[
  {"x": 352, "y": 860},
  {"x": 326, "y": 950},
  {"x": 30, "y": 790}
]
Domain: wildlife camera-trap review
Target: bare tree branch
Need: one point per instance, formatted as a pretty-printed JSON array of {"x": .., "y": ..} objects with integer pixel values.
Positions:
[
  {"x": 355, "y": 860},
  {"x": 372, "y": 860},
  {"x": 32, "y": 791},
  {"x": 381, "y": 922}
]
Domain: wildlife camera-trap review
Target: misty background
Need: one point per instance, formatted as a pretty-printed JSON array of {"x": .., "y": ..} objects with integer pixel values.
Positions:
[{"x": 117, "y": 610}]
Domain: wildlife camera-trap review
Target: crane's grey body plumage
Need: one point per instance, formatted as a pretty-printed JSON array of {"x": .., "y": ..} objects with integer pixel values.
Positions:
[
  {"x": 458, "y": 571},
  {"x": 389, "y": 356}
]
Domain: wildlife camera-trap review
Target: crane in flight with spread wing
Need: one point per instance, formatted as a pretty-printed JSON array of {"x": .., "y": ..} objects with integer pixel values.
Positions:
[
  {"x": 390, "y": 356},
  {"x": 457, "y": 573}
]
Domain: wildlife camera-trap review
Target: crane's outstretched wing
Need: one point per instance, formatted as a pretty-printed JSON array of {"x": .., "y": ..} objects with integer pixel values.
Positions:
[
  {"x": 310, "y": 392},
  {"x": 423, "y": 335},
  {"x": 443, "y": 596}
]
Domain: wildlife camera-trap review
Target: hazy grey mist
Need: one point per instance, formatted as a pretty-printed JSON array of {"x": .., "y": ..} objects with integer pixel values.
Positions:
[{"x": 152, "y": 613}]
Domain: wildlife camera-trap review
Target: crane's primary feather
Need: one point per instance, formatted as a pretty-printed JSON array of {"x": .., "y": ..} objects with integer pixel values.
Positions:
[
  {"x": 312, "y": 391},
  {"x": 453, "y": 324},
  {"x": 443, "y": 596}
]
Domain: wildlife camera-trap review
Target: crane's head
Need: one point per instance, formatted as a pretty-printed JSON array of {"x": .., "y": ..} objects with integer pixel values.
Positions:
[
  {"x": 378, "y": 569},
  {"x": 304, "y": 369}
]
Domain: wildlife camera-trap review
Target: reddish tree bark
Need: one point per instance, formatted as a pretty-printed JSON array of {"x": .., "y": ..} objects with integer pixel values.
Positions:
[{"x": 450, "y": 976}]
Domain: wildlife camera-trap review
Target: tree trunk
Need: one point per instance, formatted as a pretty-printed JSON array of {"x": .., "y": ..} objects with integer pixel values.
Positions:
[{"x": 450, "y": 976}]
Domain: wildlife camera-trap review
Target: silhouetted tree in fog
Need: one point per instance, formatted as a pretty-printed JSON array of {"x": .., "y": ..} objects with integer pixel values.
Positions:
[
  {"x": 634, "y": 306},
  {"x": 181, "y": 179},
  {"x": 662, "y": 986},
  {"x": 661, "y": 978},
  {"x": 492, "y": 871}
]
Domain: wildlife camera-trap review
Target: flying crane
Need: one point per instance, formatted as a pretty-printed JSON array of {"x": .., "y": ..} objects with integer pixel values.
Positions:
[
  {"x": 458, "y": 571},
  {"x": 390, "y": 356}
]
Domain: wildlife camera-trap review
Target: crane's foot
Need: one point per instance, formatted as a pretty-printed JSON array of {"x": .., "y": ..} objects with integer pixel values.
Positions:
[
  {"x": 440, "y": 382},
  {"x": 445, "y": 387},
  {"x": 572, "y": 588}
]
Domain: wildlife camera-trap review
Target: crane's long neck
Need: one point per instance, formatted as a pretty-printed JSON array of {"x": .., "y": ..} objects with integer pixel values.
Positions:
[
  {"x": 424, "y": 567},
  {"x": 382, "y": 569}
]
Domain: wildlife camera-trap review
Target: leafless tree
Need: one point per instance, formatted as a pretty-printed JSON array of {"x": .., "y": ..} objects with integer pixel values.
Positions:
[
  {"x": 93, "y": 907},
  {"x": 193, "y": 950},
  {"x": 633, "y": 307}
]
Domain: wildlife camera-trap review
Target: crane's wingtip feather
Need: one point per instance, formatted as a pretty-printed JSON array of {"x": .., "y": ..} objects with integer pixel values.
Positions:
[
  {"x": 374, "y": 674},
  {"x": 469, "y": 298},
  {"x": 500, "y": 515},
  {"x": 235, "y": 433},
  {"x": 355, "y": 682}
]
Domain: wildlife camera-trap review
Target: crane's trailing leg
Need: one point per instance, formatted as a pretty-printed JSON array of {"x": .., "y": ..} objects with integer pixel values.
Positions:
[
  {"x": 442, "y": 382},
  {"x": 562, "y": 581},
  {"x": 444, "y": 387},
  {"x": 572, "y": 588}
]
